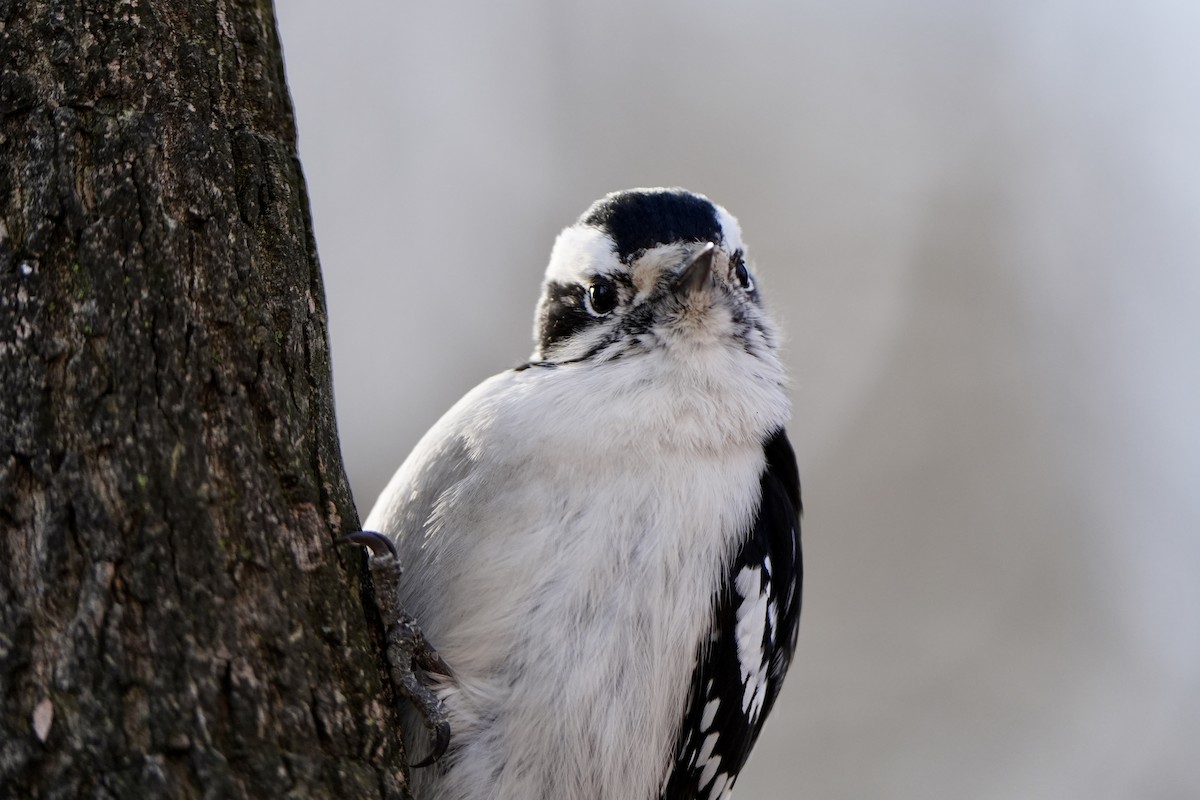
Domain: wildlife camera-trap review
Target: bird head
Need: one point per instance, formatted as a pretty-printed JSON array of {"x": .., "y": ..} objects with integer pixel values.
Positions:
[{"x": 650, "y": 271}]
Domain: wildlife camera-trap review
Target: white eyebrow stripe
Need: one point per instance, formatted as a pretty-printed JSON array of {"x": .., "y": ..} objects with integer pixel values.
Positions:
[
  {"x": 580, "y": 252},
  {"x": 731, "y": 231}
]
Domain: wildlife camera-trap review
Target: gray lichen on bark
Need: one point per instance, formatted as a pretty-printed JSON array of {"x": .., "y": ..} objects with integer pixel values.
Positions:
[{"x": 174, "y": 617}]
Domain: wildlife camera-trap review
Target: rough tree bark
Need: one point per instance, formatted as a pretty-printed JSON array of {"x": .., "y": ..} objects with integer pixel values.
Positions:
[{"x": 174, "y": 618}]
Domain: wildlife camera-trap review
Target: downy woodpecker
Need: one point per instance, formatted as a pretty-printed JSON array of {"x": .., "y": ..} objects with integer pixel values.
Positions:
[{"x": 603, "y": 543}]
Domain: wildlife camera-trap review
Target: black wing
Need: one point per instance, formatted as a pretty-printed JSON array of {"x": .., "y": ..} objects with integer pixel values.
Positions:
[{"x": 740, "y": 668}]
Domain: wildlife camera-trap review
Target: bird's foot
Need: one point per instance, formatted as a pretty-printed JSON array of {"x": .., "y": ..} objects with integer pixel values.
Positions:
[{"x": 408, "y": 652}]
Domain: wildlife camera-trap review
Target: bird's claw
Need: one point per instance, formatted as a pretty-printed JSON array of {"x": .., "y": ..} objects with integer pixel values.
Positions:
[
  {"x": 407, "y": 649},
  {"x": 377, "y": 543}
]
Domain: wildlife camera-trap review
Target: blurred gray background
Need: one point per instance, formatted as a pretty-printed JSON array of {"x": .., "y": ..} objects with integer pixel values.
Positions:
[{"x": 980, "y": 226}]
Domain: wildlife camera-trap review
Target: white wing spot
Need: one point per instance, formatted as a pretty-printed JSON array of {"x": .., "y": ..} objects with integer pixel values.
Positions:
[
  {"x": 718, "y": 786},
  {"x": 710, "y": 712},
  {"x": 710, "y": 769},
  {"x": 751, "y": 628}
]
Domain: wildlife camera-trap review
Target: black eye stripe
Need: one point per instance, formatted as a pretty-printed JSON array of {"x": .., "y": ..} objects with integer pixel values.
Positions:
[
  {"x": 742, "y": 275},
  {"x": 567, "y": 309},
  {"x": 561, "y": 313},
  {"x": 737, "y": 269}
]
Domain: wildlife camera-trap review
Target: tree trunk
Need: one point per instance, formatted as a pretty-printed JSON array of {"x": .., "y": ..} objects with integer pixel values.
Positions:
[{"x": 175, "y": 619}]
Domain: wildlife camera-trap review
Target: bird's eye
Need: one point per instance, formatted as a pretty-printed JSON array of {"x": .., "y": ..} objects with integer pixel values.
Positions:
[
  {"x": 602, "y": 296},
  {"x": 743, "y": 275}
]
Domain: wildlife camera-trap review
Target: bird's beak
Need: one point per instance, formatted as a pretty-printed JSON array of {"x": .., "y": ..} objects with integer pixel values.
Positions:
[{"x": 696, "y": 274}]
